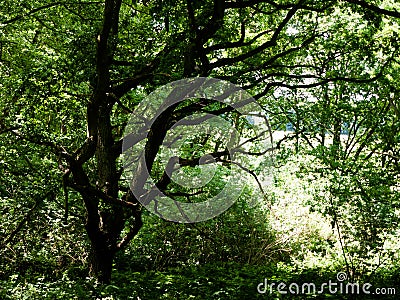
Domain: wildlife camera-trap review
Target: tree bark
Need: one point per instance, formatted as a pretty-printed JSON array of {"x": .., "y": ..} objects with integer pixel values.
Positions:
[
  {"x": 104, "y": 225},
  {"x": 100, "y": 260}
]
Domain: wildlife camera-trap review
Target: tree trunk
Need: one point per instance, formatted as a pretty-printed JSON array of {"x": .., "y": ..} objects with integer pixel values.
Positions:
[{"x": 100, "y": 261}]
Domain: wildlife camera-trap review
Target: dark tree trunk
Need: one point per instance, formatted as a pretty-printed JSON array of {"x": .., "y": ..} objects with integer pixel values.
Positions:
[
  {"x": 108, "y": 223},
  {"x": 104, "y": 236},
  {"x": 100, "y": 262}
]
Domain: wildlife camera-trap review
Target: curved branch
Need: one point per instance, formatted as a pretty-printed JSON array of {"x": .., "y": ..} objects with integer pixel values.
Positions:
[
  {"x": 272, "y": 42},
  {"x": 374, "y": 8}
]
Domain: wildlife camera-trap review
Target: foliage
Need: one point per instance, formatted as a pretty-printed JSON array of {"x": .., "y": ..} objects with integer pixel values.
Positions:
[
  {"x": 211, "y": 281},
  {"x": 240, "y": 235},
  {"x": 72, "y": 72}
]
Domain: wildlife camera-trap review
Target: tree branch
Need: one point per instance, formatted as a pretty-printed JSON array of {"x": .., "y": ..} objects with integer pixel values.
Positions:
[
  {"x": 375, "y": 8},
  {"x": 27, "y": 217},
  {"x": 270, "y": 43}
]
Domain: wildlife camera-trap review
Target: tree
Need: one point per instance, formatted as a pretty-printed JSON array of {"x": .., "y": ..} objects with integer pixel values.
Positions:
[{"x": 73, "y": 75}]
